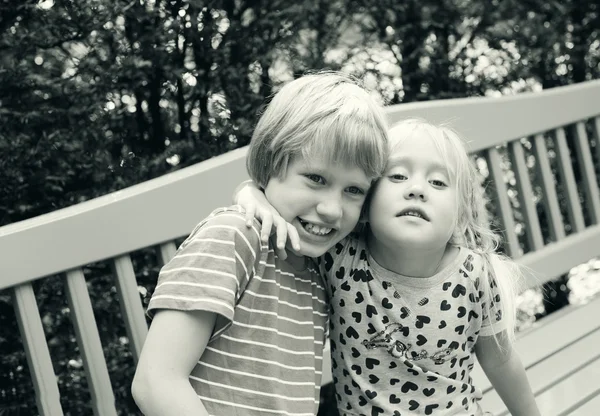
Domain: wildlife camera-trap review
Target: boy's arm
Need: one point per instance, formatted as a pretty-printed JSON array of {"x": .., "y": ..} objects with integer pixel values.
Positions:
[
  {"x": 256, "y": 205},
  {"x": 504, "y": 369},
  {"x": 175, "y": 343}
]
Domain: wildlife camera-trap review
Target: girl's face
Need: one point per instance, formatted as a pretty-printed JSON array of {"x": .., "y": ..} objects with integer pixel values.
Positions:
[{"x": 415, "y": 204}]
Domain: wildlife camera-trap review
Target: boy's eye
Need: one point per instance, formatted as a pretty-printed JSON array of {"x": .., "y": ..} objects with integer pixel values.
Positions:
[
  {"x": 354, "y": 190},
  {"x": 315, "y": 178},
  {"x": 439, "y": 183}
]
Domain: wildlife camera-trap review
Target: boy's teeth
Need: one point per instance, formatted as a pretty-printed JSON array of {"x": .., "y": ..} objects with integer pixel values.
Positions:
[{"x": 315, "y": 229}]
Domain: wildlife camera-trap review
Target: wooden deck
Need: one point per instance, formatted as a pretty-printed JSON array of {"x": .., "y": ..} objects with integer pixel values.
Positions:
[
  {"x": 562, "y": 359},
  {"x": 528, "y": 143}
]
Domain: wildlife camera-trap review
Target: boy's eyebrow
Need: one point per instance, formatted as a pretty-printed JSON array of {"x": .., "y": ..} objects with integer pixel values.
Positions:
[
  {"x": 364, "y": 184},
  {"x": 323, "y": 171}
]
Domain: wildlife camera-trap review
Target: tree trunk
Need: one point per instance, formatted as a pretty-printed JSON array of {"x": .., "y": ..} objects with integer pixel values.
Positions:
[{"x": 580, "y": 45}]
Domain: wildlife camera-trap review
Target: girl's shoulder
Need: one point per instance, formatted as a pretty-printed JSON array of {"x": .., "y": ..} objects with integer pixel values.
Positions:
[
  {"x": 348, "y": 252},
  {"x": 352, "y": 245},
  {"x": 470, "y": 263},
  {"x": 491, "y": 273},
  {"x": 227, "y": 225}
]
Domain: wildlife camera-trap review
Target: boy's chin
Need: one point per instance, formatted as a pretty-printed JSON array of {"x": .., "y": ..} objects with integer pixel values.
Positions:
[{"x": 307, "y": 250}]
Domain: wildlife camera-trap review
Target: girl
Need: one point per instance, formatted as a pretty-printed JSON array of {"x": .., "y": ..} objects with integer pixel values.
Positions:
[{"x": 420, "y": 291}]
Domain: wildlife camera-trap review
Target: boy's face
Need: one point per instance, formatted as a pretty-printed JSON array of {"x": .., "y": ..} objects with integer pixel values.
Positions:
[
  {"x": 321, "y": 200},
  {"x": 414, "y": 204}
]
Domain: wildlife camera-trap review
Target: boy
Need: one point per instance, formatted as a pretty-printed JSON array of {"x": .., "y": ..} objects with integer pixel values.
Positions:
[{"x": 237, "y": 330}]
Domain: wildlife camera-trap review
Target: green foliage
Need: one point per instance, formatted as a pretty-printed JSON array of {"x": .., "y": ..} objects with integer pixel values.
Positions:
[{"x": 99, "y": 95}]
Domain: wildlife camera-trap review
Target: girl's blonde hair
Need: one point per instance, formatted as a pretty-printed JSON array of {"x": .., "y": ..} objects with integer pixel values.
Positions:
[
  {"x": 472, "y": 222},
  {"x": 325, "y": 114}
]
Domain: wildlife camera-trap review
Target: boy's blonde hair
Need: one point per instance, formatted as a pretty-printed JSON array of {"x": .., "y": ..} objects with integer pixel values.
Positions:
[
  {"x": 326, "y": 113},
  {"x": 472, "y": 222}
]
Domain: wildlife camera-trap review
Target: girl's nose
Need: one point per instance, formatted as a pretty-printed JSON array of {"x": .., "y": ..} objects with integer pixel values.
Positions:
[{"x": 415, "y": 191}]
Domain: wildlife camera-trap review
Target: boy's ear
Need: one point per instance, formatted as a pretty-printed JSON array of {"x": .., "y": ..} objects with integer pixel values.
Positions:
[
  {"x": 364, "y": 214},
  {"x": 363, "y": 220},
  {"x": 360, "y": 227}
]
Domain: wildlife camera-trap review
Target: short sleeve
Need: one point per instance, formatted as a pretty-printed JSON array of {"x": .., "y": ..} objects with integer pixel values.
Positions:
[
  {"x": 492, "y": 309},
  {"x": 210, "y": 269}
]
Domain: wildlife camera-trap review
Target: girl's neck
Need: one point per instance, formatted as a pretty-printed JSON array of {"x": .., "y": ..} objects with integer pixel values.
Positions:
[{"x": 411, "y": 262}]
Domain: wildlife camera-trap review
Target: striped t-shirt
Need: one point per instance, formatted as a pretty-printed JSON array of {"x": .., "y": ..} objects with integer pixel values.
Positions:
[{"x": 266, "y": 353}]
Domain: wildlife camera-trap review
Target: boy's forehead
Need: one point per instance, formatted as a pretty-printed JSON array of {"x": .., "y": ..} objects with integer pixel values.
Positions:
[
  {"x": 308, "y": 159},
  {"x": 314, "y": 160}
]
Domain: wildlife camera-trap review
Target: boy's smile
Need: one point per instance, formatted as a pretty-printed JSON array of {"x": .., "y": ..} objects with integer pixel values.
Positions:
[
  {"x": 315, "y": 229},
  {"x": 321, "y": 199}
]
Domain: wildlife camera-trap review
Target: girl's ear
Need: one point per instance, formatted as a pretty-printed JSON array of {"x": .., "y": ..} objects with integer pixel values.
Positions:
[{"x": 458, "y": 235}]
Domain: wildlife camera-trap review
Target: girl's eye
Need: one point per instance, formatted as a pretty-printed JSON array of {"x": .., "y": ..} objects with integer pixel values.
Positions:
[
  {"x": 315, "y": 178},
  {"x": 398, "y": 177},
  {"x": 356, "y": 190},
  {"x": 439, "y": 183}
]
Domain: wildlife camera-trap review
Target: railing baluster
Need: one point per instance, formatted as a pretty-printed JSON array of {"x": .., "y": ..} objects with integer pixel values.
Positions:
[
  {"x": 532, "y": 222},
  {"x": 550, "y": 199},
  {"x": 165, "y": 252},
  {"x": 88, "y": 339},
  {"x": 584, "y": 156},
  {"x": 506, "y": 216},
  {"x": 131, "y": 305},
  {"x": 566, "y": 172},
  {"x": 47, "y": 395},
  {"x": 596, "y": 133}
]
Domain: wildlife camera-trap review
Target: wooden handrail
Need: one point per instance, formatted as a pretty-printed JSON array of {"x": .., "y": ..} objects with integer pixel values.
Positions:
[
  {"x": 168, "y": 207},
  {"x": 489, "y": 121},
  {"x": 140, "y": 216}
]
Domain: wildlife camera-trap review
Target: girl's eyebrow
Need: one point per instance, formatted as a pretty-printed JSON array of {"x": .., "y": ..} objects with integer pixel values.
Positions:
[{"x": 398, "y": 160}]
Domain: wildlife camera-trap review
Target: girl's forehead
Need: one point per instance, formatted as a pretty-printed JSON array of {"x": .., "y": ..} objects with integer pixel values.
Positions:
[
  {"x": 420, "y": 139},
  {"x": 412, "y": 147},
  {"x": 423, "y": 149}
]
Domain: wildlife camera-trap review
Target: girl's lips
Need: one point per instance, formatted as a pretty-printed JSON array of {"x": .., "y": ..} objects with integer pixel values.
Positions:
[{"x": 414, "y": 212}]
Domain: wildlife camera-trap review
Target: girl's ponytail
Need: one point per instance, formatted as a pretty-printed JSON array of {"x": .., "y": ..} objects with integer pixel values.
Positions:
[{"x": 501, "y": 272}]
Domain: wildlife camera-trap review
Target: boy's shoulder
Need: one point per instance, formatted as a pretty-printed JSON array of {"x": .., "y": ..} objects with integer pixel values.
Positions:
[
  {"x": 233, "y": 215},
  {"x": 228, "y": 221}
]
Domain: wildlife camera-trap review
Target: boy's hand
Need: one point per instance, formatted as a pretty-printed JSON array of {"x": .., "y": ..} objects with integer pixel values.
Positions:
[{"x": 253, "y": 200}]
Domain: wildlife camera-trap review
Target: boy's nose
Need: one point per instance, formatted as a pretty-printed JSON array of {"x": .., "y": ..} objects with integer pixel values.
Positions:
[{"x": 330, "y": 209}]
